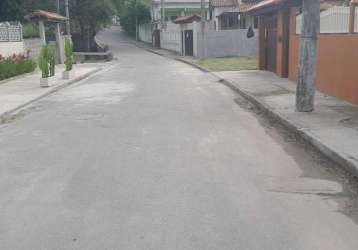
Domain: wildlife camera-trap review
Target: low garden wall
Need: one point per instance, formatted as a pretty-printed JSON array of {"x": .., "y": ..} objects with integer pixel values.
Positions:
[
  {"x": 10, "y": 48},
  {"x": 33, "y": 47}
]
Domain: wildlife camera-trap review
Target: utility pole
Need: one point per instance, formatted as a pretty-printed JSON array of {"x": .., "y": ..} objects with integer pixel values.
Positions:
[
  {"x": 58, "y": 7},
  {"x": 306, "y": 88},
  {"x": 162, "y": 13},
  {"x": 203, "y": 18},
  {"x": 136, "y": 21},
  {"x": 68, "y": 26},
  {"x": 202, "y": 7}
]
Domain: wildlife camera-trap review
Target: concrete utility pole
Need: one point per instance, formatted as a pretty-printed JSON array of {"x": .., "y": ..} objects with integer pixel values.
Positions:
[
  {"x": 136, "y": 20},
  {"x": 68, "y": 26},
  {"x": 203, "y": 19},
  {"x": 58, "y": 6},
  {"x": 162, "y": 13},
  {"x": 202, "y": 7},
  {"x": 308, "y": 56}
]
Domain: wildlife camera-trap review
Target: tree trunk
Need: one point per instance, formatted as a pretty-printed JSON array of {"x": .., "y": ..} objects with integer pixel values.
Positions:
[
  {"x": 88, "y": 40},
  {"x": 308, "y": 56}
]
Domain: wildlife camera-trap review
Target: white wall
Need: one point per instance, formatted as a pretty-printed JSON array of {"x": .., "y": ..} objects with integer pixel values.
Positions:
[
  {"x": 34, "y": 46},
  {"x": 10, "y": 48},
  {"x": 225, "y": 43},
  {"x": 333, "y": 20},
  {"x": 170, "y": 38},
  {"x": 145, "y": 33},
  {"x": 221, "y": 43}
]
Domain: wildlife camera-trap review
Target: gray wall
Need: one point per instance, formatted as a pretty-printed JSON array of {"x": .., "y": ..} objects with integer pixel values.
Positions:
[
  {"x": 225, "y": 43},
  {"x": 145, "y": 33},
  {"x": 34, "y": 47}
]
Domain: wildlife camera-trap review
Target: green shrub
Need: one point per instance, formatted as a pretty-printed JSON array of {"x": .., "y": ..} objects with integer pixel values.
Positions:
[
  {"x": 69, "y": 54},
  {"x": 15, "y": 65},
  {"x": 47, "y": 62},
  {"x": 30, "y": 30}
]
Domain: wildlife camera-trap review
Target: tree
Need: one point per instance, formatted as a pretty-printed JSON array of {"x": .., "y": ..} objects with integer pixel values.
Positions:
[
  {"x": 11, "y": 10},
  {"x": 134, "y": 13},
  {"x": 31, "y": 5},
  {"x": 90, "y": 16},
  {"x": 308, "y": 56}
]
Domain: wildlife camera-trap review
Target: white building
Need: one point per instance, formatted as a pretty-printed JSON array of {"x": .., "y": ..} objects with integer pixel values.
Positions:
[
  {"x": 177, "y": 8},
  {"x": 230, "y": 14}
]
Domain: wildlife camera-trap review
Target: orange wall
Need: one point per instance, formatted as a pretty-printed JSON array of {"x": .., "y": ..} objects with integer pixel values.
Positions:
[
  {"x": 294, "y": 48},
  {"x": 337, "y": 64}
]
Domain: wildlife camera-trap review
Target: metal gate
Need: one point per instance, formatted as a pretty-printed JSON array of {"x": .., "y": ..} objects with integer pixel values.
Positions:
[
  {"x": 156, "y": 38},
  {"x": 271, "y": 43},
  {"x": 189, "y": 43}
]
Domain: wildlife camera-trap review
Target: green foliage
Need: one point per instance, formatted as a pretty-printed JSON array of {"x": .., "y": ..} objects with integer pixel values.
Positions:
[
  {"x": 69, "y": 54},
  {"x": 47, "y": 62},
  {"x": 228, "y": 63},
  {"x": 31, "y": 5},
  {"x": 11, "y": 10},
  {"x": 15, "y": 65},
  {"x": 135, "y": 12},
  {"x": 89, "y": 16},
  {"x": 30, "y": 30}
]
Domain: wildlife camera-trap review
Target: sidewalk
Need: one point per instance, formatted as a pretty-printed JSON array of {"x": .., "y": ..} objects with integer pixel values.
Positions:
[
  {"x": 332, "y": 128},
  {"x": 21, "y": 91}
]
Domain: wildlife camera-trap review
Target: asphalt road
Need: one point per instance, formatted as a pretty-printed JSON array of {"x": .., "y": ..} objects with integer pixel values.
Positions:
[{"x": 154, "y": 154}]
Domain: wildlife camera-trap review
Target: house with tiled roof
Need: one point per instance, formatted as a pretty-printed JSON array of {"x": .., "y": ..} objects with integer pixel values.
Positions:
[
  {"x": 279, "y": 32},
  {"x": 230, "y": 14}
]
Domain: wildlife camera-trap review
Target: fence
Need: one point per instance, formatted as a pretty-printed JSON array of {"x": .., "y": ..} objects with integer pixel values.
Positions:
[
  {"x": 10, "y": 32},
  {"x": 227, "y": 43},
  {"x": 145, "y": 33},
  {"x": 334, "y": 20}
]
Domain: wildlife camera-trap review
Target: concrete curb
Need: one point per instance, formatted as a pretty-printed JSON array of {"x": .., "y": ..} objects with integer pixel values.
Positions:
[
  {"x": 347, "y": 162},
  {"x": 7, "y": 114},
  {"x": 194, "y": 65}
]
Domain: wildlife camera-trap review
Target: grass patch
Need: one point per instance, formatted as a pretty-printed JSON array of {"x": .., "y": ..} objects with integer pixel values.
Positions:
[{"x": 228, "y": 63}]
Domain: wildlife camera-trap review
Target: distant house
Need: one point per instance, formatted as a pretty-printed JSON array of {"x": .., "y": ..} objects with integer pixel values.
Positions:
[
  {"x": 230, "y": 14},
  {"x": 177, "y": 8},
  {"x": 279, "y": 39}
]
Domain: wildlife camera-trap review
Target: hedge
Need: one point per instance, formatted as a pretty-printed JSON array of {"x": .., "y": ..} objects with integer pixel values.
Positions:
[{"x": 15, "y": 65}]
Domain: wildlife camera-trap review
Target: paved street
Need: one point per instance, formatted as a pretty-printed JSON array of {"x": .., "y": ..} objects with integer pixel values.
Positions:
[{"x": 154, "y": 154}]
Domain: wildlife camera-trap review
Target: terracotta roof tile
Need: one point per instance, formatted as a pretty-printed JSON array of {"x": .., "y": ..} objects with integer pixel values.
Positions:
[
  {"x": 46, "y": 15},
  {"x": 187, "y": 19}
]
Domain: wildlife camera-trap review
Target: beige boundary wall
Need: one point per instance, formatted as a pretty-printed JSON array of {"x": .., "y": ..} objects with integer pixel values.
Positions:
[{"x": 10, "y": 48}]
